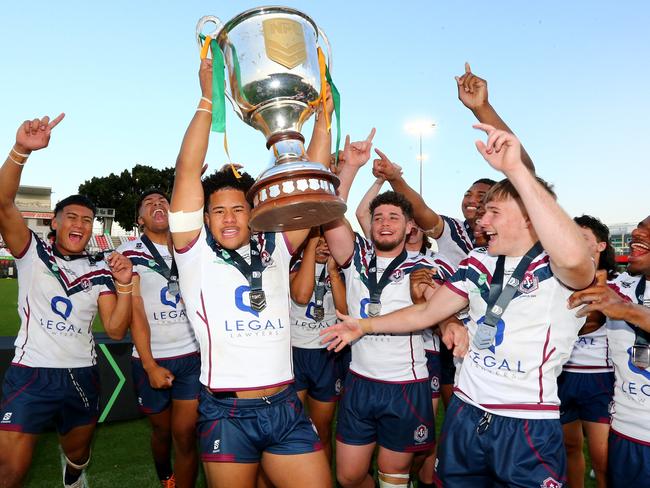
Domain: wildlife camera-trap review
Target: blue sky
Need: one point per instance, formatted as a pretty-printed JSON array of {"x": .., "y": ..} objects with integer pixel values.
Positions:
[{"x": 569, "y": 78}]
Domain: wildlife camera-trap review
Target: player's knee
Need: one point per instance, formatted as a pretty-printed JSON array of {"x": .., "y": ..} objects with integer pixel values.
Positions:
[
  {"x": 12, "y": 471},
  {"x": 393, "y": 480},
  {"x": 350, "y": 476}
]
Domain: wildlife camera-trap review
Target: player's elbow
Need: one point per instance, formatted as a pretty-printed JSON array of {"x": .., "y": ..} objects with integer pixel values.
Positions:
[
  {"x": 300, "y": 297},
  {"x": 115, "y": 333}
]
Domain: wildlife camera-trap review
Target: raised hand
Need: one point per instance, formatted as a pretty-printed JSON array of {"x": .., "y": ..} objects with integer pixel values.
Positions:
[
  {"x": 384, "y": 168},
  {"x": 160, "y": 377},
  {"x": 472, "y": 90},
  {"x": 121, "y": 268},
  {"x": 358, "y": 153},
  {"x": 339, "y": 335},
  {"x": 502, "y": 149},
  {"x": 205, "y": 77},
  {"x": 33, "y": 135}
]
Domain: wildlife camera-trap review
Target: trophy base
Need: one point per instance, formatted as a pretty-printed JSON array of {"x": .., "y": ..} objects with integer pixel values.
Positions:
[{"x": 292, "y": 196}]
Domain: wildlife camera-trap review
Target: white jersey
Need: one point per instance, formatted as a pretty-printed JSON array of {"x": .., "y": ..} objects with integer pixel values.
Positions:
[
  {"x": 590, "y": 354},
  {"x": 57, "y": 303},
  {"x": 240, "y": 347},
  {"x": 517, "y": 376},
  {"x": 632, "y": 388},
  {"x": 395, "y": 358},
  {"x": 171, "y": 332},
  {"x": 305, "y": 329},
  {"x": 456, "y": 240}
]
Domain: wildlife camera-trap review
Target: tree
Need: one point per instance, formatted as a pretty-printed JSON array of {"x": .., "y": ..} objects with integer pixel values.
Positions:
[{"x": 122, "y": 191}]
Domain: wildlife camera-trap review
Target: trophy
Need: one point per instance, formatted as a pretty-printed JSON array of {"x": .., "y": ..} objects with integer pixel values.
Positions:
[{"x": 274, "y": 82}]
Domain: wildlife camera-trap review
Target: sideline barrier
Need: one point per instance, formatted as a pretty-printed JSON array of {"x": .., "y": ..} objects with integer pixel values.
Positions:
[{"x": 117, "y": 400}]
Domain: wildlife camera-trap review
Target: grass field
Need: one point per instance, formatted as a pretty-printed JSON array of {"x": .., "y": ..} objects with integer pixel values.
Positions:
[{"x": 121, "y": 455}]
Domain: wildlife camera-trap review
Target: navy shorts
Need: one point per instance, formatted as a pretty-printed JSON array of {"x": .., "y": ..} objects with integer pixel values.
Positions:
[
  {"x": 398, "y": 416},
  {"x": 320, "y": 372},
  {"x": 481, "y": 449},
  {"x": 35, "y": 398},
  {"x": 585, "y": 396},
  {"x": 447, "y": 366},
  {"x": 628, "y": 463},
  {"x": 433, "y": 365},
  {"x": 186, "y": 385},
  {"x": 236, "y": 430}
]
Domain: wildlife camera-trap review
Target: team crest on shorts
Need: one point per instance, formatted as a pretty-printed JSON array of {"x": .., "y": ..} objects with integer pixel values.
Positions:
[
  {"x": 550, "y": 483},
  {"x": 435, "y": 384},
  {"x": 337, "y": 386},
  {"x": 421, "y": 433},
  {"x": 529, "y": 283},
  {"x": 216, "y": 445}
]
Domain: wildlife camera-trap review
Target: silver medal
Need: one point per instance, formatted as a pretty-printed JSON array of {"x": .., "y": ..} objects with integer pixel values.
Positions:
[
  {"x": 485, "y": 335},
  {"x": 173, "y": 287},
  {"x": 374, "y": 309},
  {"x": 258, "y": 300},
  {"x": 641, "y": 356}
]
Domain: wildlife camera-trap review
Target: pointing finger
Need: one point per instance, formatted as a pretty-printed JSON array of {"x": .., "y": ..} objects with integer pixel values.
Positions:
[
  {"x": 56, "y": 121},
  {"x": 371, "y": 135}
]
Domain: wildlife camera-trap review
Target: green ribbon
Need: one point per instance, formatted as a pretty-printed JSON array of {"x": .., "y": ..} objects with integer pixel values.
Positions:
[
  {"x": 218, "y": 87},
  {"x": 336, "y": 97}
]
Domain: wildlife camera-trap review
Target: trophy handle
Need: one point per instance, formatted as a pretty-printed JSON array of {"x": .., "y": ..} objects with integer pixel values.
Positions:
[
  {"x": 199, "y": 28},
  {"x": 326, "y": 41}
]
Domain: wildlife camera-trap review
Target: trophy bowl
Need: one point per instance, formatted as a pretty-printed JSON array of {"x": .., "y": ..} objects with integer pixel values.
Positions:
[{"x": 274, "y": 84}]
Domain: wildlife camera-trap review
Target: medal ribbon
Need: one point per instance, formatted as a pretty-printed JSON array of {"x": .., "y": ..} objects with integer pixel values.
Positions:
[
  {"x": 375, "y": 288},
  {"x": 170, "y": 274},
  {"x": 252, "y": 272},
  {"x": 641, "y": 337},
  {"x": 320, "y": 290},
  {"x": 499, "y": 297}
]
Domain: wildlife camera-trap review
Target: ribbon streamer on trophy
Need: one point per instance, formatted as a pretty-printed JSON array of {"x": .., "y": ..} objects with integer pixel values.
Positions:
[{"x": 276, "y": 79}]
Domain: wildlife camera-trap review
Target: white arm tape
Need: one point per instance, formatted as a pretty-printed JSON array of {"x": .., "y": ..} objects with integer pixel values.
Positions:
[{"x": 185, "y": 221}]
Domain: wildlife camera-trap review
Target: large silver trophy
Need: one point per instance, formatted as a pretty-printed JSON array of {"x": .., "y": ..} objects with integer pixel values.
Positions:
[{"x": 274, "y": 83}]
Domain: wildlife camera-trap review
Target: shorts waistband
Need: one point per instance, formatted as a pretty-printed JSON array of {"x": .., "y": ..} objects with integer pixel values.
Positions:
[
  {"x": 54, "y": 370},
  {"x": 230, "y": 398}
]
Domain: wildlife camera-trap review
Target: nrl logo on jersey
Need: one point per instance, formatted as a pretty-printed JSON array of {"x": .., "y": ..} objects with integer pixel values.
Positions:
[
  {"x": 529, "y": 283},
  {"x": 627, "y": 284}
]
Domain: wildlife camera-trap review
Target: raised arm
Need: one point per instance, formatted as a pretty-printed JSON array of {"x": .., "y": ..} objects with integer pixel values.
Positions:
[
  {"x": 32, "y": 135},
  {"x": 318, "y": 151},
  {"x": 363, "y": 210},
  {"x": 187, "y": 195},
  {"x": 442, "y": 304},
  {"x": 339, "y": 235},
  {"x": 302, "y": 281},
  {"x": 560, "y": 236},
  {"x": 473, "y": 92},
  {"x": 338, "y": 286},
  {"x": 424, "y": 216}
]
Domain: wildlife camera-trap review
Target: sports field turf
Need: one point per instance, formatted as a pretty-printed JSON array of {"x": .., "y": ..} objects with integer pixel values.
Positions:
[{"x": 121, "y": 455}]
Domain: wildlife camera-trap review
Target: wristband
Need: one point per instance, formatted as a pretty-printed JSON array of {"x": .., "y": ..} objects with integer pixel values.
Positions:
[
  {"x": 19, "y": 154},
  {"x": 206, "y": 100},
  {"x": 16, "y": 162}
]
